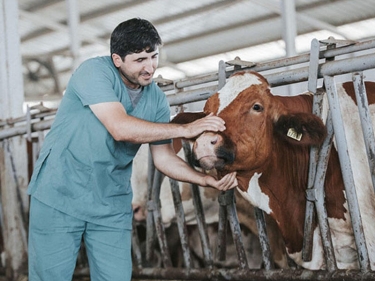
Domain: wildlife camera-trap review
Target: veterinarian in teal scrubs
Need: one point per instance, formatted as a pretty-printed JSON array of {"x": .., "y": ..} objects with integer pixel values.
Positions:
[{"x": 80, "y": 187}]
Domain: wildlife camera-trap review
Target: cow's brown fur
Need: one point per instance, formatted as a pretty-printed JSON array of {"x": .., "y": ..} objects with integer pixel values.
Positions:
[
  {"x": 261, "y": 121},
  {"x": 267, "y": 159}
]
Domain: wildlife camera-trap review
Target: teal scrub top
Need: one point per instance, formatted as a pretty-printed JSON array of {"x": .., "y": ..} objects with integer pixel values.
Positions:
[{"x": 81, "y": 170}]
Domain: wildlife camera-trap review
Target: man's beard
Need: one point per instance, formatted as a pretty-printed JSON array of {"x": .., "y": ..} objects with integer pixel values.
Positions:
[{"x": 135, "y": 81}]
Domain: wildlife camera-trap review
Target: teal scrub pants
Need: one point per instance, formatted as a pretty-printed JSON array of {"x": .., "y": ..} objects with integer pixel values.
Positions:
[{"x": 55, "y": 239}]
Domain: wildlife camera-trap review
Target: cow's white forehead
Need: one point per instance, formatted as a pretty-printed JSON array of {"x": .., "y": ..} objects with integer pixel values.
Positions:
[{"x": 234, "y": 86}]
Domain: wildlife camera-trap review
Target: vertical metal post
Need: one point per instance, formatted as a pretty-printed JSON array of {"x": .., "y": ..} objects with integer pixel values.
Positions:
[
  {"x": 159, "y": 226},
  {"x": 150, "y": 227},
  {"x": 288, "y": 14},
  {"x": 136, "y": 249},
  {"x": 289, "y": 32},
  {"x": 75, "y": 41},
  {"x": 316, "y": 109},
  {"x": 181, "y": 222},
  {"x": 319, "y": 198},
  {"x": 263, "y": 239},
  {"x": 317, "y": 168},
  {"x": 201, "y": 221},
  {"x": 223, "y": 214},
  {"x": 155, "y": 227},
  {"x": 222, "y": 229},
  {"x": 13, "y": 167},
  {"x": 347, "y": 173},
  {"x": 236, "y": 229}
]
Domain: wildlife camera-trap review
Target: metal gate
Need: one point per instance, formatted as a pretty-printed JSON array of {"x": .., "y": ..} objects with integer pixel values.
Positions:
[{"x": 310, "y": 73}]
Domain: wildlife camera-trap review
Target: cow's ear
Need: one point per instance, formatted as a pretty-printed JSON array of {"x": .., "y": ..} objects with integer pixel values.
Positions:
[
  {"x": 301, "y": 129},
  {"x": 187, "y": 117}
]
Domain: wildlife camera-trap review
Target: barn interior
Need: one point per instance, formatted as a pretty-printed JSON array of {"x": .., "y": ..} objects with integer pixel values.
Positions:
[{"x": 42, "y": 42}]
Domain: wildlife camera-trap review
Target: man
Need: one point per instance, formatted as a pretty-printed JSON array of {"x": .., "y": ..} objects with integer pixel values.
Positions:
[{"x": 80, "y": 188}]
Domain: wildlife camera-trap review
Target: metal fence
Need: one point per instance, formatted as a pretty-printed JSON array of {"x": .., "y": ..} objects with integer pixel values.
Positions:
[{"x": 319, "y": 63}]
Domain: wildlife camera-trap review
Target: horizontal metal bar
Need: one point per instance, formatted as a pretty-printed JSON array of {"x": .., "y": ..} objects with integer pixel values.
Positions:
[
  {"x": 330, "y": 68},
  {"x": 284, "y": 62},
  {"x": 245, "y": 274},
  {"x": 39, "y": 115},
  {"x": 22, "y": 129},
  {"x": 191, "y": 95},
  {"x": 357, "y": 47}
]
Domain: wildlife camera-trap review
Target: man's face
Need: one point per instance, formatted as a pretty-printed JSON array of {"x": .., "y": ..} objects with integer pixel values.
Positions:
[{"x": 138, "y": 68}]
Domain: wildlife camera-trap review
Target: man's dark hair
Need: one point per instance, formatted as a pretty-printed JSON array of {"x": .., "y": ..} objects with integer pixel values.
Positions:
[{"x": 134, "y": 36}]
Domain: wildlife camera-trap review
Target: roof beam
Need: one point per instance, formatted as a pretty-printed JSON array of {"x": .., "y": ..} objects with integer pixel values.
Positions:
[
  {"x": 86, "y": 17},
  {"x": 274, "y": 6},
  {"x": 42, "y": 5},
  {"x": 50, "y": 24},
  {"x": 199, "y": 10},
  {"x": 273, "y": 15},
  {"x": 56, "y": 26}
]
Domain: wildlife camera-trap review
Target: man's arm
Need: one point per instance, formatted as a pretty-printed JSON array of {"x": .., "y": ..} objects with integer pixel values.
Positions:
[
  {"x": 166, "y": 161},
  {"x": 124, "y": 127}
]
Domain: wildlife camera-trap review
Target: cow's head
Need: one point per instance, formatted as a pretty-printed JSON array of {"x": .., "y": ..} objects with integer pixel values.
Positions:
[{"x": 254, "y": 118}]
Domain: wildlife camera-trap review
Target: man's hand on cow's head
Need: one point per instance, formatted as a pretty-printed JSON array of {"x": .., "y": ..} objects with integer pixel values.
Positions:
[
  {"x": 229, "y": 181},
  {"x": 208, "y": 123}
]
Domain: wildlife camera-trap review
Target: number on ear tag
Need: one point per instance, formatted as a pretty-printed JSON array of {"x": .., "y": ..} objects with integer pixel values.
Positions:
[{"x": 294, "y": 135}]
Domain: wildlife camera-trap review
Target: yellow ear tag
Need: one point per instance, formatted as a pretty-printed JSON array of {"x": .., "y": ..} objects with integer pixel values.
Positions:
[{"x": 293, "y": 134}]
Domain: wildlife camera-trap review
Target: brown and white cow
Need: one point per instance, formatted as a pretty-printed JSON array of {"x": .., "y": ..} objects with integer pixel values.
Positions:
[{"x": 272, "y": 168}]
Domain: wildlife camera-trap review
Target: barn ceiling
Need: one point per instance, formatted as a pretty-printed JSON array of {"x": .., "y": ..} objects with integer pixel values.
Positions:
[{"x": 196, "y": 34}]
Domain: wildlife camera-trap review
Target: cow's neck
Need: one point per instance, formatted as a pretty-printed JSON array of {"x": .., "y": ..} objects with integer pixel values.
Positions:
[
  {"x": 292, "y": 176},
  {"x": 288, "y": 208},
  {"x": 269, "y": 183}
]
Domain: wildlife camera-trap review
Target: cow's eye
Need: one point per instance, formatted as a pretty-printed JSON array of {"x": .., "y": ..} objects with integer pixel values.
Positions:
[{"x": 257, "y": 107}]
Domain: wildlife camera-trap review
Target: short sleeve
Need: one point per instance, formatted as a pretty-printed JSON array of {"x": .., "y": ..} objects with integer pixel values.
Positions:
[{"x": 93, "y": 82}]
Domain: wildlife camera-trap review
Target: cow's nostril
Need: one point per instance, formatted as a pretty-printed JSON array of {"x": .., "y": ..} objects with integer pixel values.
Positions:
[{"x": 214, "y": 140}]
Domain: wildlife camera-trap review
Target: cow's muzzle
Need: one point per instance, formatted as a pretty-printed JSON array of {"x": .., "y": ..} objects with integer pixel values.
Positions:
[{"x": 213, "y": 150}]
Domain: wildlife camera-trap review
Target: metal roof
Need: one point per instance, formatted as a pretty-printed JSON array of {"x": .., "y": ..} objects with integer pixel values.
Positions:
[{"x": 196, "y": 34}]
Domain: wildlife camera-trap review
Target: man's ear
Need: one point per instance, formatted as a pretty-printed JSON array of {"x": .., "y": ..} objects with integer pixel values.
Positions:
[
  {"x": 187, "y": 117},
  {"x": 301, "y": 129},
  {"x": 117, "y": 60}
]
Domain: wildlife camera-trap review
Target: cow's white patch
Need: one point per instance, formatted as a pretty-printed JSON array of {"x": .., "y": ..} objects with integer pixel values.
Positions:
[
  {"x": 361, "y": 170},
  {"x": 360, "y": 167},
  {"x": 317, "y": 259},
  {"x": 343, "y": 243},
  {"x": 234, "y": 86},
  {"x": 255, "y": 195}
]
